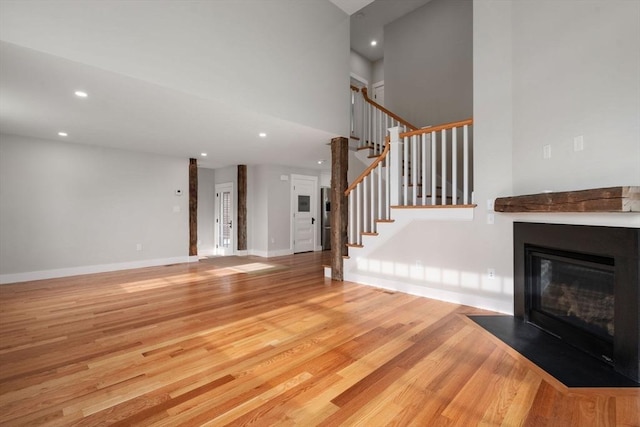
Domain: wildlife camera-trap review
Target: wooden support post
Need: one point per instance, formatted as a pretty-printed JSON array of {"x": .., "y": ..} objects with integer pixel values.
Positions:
[
  {"x": 242, "y": 207},
  {"x": 339, "y": 166},
  {"x": 193, "y": 207}
]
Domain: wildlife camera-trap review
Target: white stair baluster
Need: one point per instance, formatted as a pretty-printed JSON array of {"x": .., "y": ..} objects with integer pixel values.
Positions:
[
  {"x": 454, "y": 166},
  {"x": 372, "y": 209},
  {"x": 353, "y": 214},
  {"x": 405, "y": 172},
  {"x": 379, "y": 213},
  {"x": 414, "y": 170},
  {"x": 443, "y": 141},
  {"x": 434, "y": 179},
  {"x": 423, "y": 169},
  {"x": 465, "y": 147}
]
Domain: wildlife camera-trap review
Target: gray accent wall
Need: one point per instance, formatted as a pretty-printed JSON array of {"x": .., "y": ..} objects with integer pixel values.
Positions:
[
  {"x": 269, "y": 209},
  {"x": 428, "y": 63},
  {"x": 66, "y": 205},
  {"x": 206, "y": 211}
]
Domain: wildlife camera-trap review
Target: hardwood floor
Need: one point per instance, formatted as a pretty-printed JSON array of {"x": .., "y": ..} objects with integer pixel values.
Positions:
[{"x": 246, "y": 340}]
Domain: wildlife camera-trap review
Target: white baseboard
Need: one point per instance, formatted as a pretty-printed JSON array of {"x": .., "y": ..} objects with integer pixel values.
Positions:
[
  {"x": 271, "y": 254},
  {"x": 477, "y": 301},
  {"x": 91, "y": 269},
  {"x": 242, "y": 253}
]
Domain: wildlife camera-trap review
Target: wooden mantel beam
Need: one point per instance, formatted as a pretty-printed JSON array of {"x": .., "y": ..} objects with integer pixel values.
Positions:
[{"x": 612, "y": 199}]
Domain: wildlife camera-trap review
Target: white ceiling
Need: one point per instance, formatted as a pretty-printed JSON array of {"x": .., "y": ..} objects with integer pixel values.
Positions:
[
  {"x": 179, "y": 78},
  {"x": 368, "y": 23},
  {"x": 37, "y": 99},
  {"x": 182, "y": 78},
  {"x": 351, "y": 6}
]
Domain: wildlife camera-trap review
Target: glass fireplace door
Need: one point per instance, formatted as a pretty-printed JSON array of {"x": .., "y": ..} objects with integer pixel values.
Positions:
[{"x": 572, "y": 296}]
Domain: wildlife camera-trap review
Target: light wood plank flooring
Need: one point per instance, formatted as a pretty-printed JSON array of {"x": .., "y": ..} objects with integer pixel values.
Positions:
[{"x": 251, "y": 341}]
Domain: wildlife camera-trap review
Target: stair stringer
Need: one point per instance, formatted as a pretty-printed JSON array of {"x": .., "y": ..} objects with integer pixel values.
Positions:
[{"x": 362, "y": 269}]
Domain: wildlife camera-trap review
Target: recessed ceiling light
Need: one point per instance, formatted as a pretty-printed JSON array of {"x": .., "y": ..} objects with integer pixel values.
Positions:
[
  {"x": 320, "y": 162},
  {"x": 81, "y": 94},
  {"x": 262, "y": 135},
  {"x": 373, "y": 42},
  {"x": 203, "y": 154},
  {"x": 63, "y": 134}
]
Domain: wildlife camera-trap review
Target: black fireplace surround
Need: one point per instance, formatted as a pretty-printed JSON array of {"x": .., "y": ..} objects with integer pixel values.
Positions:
[{"x": 581, "y": 283}]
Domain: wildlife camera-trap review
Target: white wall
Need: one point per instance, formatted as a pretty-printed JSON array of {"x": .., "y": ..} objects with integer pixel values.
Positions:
[
  {"x": 360, "y": 66},
  {"x": 206, "y": 211},
  {"x": 378, "y": 71},
  {"x": 68, "y": 206},
  {"x": 576, "y": 73},
  {"x": 269, "y": 207},
  {"x": 257, "y": 210},
  {"x": 448, "y": 259},
  {"x": 428, "y": 63}
]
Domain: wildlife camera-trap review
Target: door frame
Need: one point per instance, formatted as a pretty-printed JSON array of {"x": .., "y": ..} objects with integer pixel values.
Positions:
[
  {"x": 374, "y": 88},
  {"x": 217, "y": 224},
  {"x": 314, "y": 209}
]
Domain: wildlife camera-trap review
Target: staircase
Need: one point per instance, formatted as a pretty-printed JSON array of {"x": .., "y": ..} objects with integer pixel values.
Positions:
[{"x": 411, "y": 168}]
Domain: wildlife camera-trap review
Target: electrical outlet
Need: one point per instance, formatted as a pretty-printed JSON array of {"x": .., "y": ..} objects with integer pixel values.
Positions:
[
  {"x": 138, "y": 246},
  {"x": 491, "y": 218},
  {"x": 578, "y": 143},
  {"x": 546, "y": 151},
  {"x": 491, "y": 273}
]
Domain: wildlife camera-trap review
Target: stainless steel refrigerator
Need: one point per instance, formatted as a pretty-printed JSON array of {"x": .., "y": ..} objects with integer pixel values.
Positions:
[{"x": 325, "y": 218}]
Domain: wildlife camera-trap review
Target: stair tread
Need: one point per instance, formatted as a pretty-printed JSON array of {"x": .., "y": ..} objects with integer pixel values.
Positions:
[
  {"x": 369, "y": 233},
  {"x": 385, "y": 220},
  {"x": 354, "y": 245}
]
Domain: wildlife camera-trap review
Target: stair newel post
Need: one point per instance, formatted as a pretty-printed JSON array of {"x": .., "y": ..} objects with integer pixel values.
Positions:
[{"x": 394, "y": 159}]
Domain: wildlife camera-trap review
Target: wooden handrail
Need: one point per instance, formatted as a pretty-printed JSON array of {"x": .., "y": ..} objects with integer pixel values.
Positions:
[
  {"x": 381, "y": 108},
  {"x": 437, "y": 128},
  {"x": 355, "y": 88},
  {"x": 368, "y": 170},
  {"x": 402, "y": 135}
]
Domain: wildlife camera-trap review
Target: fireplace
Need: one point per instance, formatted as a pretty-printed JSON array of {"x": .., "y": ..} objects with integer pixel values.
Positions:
[{"x": 580, "y": 283}]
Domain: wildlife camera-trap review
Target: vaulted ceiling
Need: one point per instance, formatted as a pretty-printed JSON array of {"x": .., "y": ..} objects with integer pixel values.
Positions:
[{"x": 179, "y": 78}]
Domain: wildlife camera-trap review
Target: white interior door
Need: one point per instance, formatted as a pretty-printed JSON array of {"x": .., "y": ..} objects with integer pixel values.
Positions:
[
  {"x": 224, "y": 219},
  {"x": 378, "y": 92},
  {"x": 305, "y": 220}
]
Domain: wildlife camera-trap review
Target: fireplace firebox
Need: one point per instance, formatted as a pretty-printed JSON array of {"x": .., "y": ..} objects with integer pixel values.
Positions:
[{"x": 580, "y": 283}]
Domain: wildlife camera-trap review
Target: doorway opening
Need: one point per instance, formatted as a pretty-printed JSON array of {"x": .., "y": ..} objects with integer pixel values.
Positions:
[
  {"x": 224, "y": 219},
  {"x": 304, "y": 205}
]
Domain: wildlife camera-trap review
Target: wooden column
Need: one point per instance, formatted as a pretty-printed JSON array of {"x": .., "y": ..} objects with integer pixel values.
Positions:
[
  {"x": 339, "y": 166},
  {"x": 193, "y": 207},
  {"x": 242, "y": 207}
]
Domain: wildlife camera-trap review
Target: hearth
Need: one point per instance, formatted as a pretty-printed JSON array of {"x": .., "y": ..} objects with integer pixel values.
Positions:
[{"x": 580, "y": 283}]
